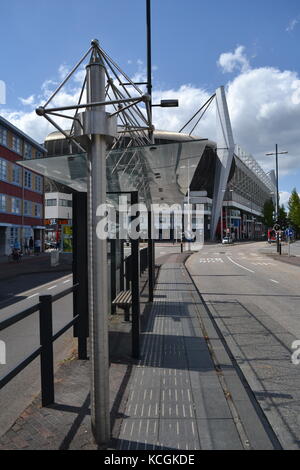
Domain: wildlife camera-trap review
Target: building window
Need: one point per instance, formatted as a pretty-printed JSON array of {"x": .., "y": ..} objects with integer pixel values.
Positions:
[
  {"x": 2, "y": 203},
  {"x": 27, "y": 151},
  {"x": 27, "y": 179},
  {"x": 3, "y": 136},
  {"x": 37, "y": 210},
  {"x": 65, "y": 203},
  {"x": 15, "y": 205},
  {"x": 16, "y": 174},
  {"x": 16, "y": 144},
  {"x": 3, "y": 169},
  {"x": 39, "y": 183},
  {"x": 27, "y": 208},
  {"x": 39, "y": 154},
  {"x": 51, "y": 202}
]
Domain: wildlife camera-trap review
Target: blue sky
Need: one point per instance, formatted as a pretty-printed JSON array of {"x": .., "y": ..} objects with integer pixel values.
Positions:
[{"x": 250, "y": 47}]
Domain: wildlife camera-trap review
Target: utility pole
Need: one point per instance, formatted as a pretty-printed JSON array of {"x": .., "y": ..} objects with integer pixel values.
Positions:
[
  {"x": 277, "y": 190},
  {"x": 151, "y": 245}
]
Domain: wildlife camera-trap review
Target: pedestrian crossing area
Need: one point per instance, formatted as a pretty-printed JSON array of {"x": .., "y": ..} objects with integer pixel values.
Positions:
[{"x": 214, "y": 257}]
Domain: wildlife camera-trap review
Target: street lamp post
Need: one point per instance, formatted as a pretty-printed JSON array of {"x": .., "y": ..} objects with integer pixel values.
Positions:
[{"x": 277, "y": 187}]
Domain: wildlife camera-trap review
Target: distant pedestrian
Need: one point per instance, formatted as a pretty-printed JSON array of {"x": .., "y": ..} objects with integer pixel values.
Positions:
[{"x": 30, "y": 245}]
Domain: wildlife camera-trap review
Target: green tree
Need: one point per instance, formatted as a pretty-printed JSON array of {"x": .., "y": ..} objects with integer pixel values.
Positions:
[
  {"x": 294, "y": 210},
  {"x": 283, "y": 217},
  {"x": 268, "y": 213}
]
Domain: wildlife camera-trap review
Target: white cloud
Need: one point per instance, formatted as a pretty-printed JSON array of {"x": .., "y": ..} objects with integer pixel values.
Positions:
[
  {"x": 232, "y": 61},
  {"x": 264, "y": 109},
  {"x": 292, "y": 24},
  {"x": 63, "y": 71},
  {"x": 30, "y": 101},
  {"x": 284, "y": 198},
  {"x": 264, "y": 105}
]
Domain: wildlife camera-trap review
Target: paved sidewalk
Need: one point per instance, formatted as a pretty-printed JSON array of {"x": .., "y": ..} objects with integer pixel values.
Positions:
[
  {"x": 179, "y": 397},
  {"x": 183, "y": 394}
]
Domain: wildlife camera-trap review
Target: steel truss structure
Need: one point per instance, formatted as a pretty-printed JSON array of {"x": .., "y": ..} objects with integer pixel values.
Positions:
[{"x": 133, "y": 121}]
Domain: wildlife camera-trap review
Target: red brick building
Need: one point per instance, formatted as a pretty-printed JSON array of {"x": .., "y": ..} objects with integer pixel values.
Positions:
[{"x": 21, "y": 190}]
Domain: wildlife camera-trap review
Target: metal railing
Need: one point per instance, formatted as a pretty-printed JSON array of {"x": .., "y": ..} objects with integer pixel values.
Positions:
[{"x": 47, "y": 338}]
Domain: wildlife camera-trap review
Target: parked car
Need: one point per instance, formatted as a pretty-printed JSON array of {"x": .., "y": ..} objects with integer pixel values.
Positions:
[{"x": 227, "y": 240}]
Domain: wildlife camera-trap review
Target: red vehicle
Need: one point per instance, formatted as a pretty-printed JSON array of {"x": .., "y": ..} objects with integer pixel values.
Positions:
[{"x": 272, "y": 236}]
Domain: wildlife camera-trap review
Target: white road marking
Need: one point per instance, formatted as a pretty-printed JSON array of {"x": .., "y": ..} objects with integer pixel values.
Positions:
[
  {"x": 273, "y": 280},
  {"x": 33, "y": 295},
  {"x": 243, "y": 267},
  {"x": 68, "y": 280},
  {"x": 43, "y": 285},
  {"x": 211, "y": 260},
  {"x": 263, "y": 264},
  {"x": 53, "y": 287}
]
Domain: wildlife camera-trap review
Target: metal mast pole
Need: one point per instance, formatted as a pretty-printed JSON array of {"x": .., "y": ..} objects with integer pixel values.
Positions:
[
  {"x": 277, "y": 184},
  {"x": 277, "y": 190},
  {"x": 97, "y": 259},
  {"x": 151, "y": 245},
  {"x": 277, "y": 196},
  {"x": 149, "y": 59}
]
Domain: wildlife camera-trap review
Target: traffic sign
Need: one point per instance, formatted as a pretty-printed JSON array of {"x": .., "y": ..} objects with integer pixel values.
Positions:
[{"x": 289, "y": 232}]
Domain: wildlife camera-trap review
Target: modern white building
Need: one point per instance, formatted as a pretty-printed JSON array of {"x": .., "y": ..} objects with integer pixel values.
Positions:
[
  {"x": 58, "y": 216},
  {"x": 58, "y": 206}
]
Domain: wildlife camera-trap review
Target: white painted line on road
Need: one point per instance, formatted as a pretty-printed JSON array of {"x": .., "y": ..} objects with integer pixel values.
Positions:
[
  {"x": 53, "y": 287},
  {"x": 68, "y": 280},
  {"x": 33, "y": 295},
  {"x": 243, "y": 267},
  {"x": 43, "y": 285},
  {"x": 211, "y": 260},
  {"x": 273, "y": 280}
]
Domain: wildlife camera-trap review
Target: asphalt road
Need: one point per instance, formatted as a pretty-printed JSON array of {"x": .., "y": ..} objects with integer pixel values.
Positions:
[
  {"x": 255, "y": 302},
  {"x": 22, "y": 338}
]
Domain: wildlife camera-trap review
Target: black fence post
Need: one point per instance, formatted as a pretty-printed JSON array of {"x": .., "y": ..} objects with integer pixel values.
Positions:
[
  {"x": 128, "y": 271},
  {"x": 135, "y": 286},
  {"x": 80, "y": 272},
  {"x": 151, "y": 266},
  {"x": 46, "y": 332},
  {"x": 113, "y": 269},
  {"x": 122, "y": 265}
]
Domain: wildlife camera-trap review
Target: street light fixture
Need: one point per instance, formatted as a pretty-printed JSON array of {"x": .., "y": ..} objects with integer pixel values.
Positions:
[{"x": 167, "y": 104}]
